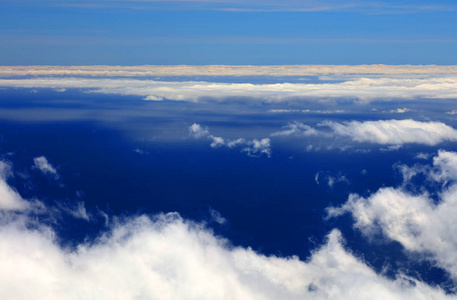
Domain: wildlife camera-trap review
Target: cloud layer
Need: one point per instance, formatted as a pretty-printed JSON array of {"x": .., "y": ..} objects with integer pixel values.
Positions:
[
  {"x": 226, "y": 70},
  {"x": 362, "y": 89}
]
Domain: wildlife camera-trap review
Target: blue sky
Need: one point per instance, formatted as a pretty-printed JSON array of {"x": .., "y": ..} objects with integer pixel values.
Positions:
[{"x": 66, "y": 32}]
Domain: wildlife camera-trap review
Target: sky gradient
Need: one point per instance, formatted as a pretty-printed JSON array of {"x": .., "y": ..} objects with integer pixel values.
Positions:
[{"x": 66, "y": 32}]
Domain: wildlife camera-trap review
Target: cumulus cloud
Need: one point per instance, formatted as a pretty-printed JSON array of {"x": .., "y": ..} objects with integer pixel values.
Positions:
[
  {"x": 10, "y": 200},
  {"x": 41, "y": 163},
  {"x": 197, "y": 131},
  {"x": 254, "y": 147},
  {"x": 167, "y": 257},
  {"x": 415, "y": 220},
  {"x": 394, "y": 132},
  {"x": 362, "y": 89}
]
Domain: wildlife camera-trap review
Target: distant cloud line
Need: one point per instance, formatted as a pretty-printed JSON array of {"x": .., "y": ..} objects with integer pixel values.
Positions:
[
  {"x": 361, "y": 89},
  {"x": 226, "y": 70}
]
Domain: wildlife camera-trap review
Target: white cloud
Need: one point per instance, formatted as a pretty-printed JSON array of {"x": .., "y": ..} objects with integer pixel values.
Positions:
[
  {"x": 296, "y": 128},
  {"x": 254, "y": 147},
  {"x": 330, "y": 180},
  {"x": 326, "y": 112},
  {"x": 166, "y": 257},
  {"x": 217, "y": 141},
  {"x": 394, "y": 132},
  {"x": 258, "y": 147},
  {"x": 416, "y": 221},
  {"x": 42, "y": 164},
  {"x": 360, "y": 89},
  {"x": 422, "y": 155},
  {"x": 399, "y": 110},
  {"x": 390, "y": 148},
  {"x": 77, "y": 210},
  {"x": 217, "y": 217},
  {"x": 407, "y": 71},
  {"x": 284, "y": 110},
  {"x": 452, "y": 112},
  {"x": 9, "y": 198},
  {"x": 140, "y": 151},
  {"x": 197, "y": 131}
]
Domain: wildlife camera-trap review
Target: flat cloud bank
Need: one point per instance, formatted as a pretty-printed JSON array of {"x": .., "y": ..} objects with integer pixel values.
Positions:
[
  {"x": 361, "y": 90},
  {"x": 224, "y": 70}
]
